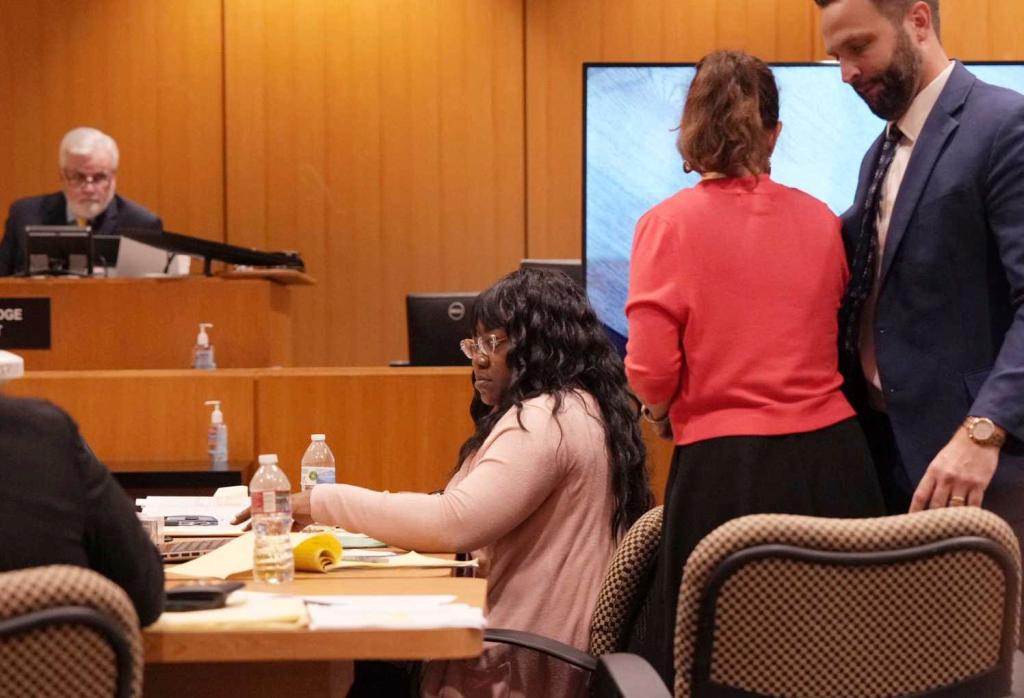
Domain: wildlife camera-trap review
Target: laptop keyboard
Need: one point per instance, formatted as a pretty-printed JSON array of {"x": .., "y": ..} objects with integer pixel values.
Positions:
[{"x": 189, "y": 548}]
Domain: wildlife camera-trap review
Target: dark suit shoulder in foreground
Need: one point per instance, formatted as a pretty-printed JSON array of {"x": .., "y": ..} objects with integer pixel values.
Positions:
[{"x": 60, "y": 505}]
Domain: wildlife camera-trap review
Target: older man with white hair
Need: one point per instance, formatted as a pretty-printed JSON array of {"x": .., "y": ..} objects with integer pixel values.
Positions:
[{"x": 88, "y": 173}]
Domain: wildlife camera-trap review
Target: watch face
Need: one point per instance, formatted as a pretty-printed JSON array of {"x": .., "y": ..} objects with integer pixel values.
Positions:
[{"x": 983, "y": 430}]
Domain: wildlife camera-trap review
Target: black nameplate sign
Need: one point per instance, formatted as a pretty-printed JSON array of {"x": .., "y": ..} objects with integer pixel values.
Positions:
[{"x": 24, "y": 323}]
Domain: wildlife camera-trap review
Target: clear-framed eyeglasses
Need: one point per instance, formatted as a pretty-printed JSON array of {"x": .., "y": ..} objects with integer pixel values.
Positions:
[
  {"x": 79, "y": 179},
  {"x": 485, "y": 345}
]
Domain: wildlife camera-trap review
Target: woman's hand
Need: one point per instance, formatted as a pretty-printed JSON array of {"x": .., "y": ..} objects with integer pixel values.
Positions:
[
  {"x": 657, "y": 417},
  {"x": 663, "y": 429},
  {"x": 301, "y": 510}
]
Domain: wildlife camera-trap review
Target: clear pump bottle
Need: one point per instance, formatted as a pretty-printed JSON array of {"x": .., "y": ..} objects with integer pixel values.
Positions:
[
  {"x": 217, "y": 438},
  {"x": 202, "y": 353}
]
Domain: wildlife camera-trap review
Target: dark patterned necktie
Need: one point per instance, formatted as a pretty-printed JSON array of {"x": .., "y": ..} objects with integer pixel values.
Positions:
[{"x": 865, "y": 252}]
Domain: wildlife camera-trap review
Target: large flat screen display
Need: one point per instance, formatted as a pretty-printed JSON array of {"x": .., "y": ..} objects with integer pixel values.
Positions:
[{"x": 631, "y": 162}]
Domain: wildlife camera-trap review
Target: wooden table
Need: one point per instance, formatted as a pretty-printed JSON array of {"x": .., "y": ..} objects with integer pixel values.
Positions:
[{"x": 303, "y": 662}]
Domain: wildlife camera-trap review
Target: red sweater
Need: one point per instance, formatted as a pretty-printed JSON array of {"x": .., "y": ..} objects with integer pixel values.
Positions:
[{"x": 734, "y": 291}]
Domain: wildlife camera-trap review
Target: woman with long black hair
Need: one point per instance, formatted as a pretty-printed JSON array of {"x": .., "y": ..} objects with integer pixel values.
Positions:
[{"x": 552, "y": 476}]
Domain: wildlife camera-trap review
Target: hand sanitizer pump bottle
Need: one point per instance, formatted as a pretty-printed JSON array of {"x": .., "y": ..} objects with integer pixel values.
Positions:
[
  {"x": 202, "y": 354},
  {"x": 217, "y": 438}
]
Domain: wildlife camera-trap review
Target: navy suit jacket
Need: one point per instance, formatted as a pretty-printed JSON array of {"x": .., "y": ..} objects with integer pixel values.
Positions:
[
  {"x": 949, "y": 325},
  {"x": 51, "y": 209}
]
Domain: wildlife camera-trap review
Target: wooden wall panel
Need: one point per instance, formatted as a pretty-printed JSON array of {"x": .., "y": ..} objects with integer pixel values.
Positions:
[
  {"x": 393, "y": 429},
  {"x": 561, "y": 36},
  {"x": 384, "y": 140},
  {"x": 153, "y": 323},
  {"x": 389, "y": 428},
  {"x": 973, "y": 30},
  {"x": 149, "y": 73},
  {"x": 135, "y": 419}
]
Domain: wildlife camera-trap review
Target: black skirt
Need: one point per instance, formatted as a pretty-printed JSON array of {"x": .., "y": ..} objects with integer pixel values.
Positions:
[{"x": 827, "y": 472}]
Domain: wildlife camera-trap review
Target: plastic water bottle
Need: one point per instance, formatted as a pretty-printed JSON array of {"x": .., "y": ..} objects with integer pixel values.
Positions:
[
  {"x": 272, "y": 558},
  {"x": 317, "y": 463}
]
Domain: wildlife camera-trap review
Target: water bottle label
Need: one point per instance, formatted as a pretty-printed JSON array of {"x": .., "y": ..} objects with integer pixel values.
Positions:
[
  {"x": 271, "y": 502},
  {"x": 314, "y": 475}
]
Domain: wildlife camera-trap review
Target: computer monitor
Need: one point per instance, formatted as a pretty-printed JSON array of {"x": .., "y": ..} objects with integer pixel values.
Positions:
[
  {"x": 437, "y": 322},
  {"x": 573, "y": 268},
  {"x": 59, "y": 250},
  {"x": 105, "y": 249}
]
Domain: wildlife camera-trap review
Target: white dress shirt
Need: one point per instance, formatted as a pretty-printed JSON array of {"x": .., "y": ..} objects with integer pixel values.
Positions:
[{"x": 910, "y": 124}]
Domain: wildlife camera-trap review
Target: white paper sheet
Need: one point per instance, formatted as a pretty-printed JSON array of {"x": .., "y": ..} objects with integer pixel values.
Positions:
[{"x": 393, "y": 612}]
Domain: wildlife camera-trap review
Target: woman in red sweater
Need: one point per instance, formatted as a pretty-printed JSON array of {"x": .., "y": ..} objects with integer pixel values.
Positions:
[{"x": 735, "y": 286}]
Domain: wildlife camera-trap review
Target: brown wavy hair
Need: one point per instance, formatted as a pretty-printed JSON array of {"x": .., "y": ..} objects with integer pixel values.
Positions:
[{"x": 731, "y": 110}]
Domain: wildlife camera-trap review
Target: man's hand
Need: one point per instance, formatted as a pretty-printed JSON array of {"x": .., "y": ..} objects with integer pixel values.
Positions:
[{"x": 957, "y": 476}]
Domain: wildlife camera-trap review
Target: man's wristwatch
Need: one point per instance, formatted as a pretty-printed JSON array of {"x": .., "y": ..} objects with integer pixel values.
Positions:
[{"x": 983, "y": 432}]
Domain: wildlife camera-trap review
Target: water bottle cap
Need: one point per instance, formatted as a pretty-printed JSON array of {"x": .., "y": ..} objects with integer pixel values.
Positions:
[
  {"x": 318, "y": 437},
  {"x": 268, "y": 459}
]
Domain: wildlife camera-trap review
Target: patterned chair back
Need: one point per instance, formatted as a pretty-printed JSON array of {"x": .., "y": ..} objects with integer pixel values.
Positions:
[
  {"x": 625, "y": 585},
  {"x": 917, "y": 604},
  {"x": 67, "y": 631}
]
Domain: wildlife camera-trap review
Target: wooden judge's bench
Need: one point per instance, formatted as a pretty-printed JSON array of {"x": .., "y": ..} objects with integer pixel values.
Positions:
[{"x": 152, "y": 323}]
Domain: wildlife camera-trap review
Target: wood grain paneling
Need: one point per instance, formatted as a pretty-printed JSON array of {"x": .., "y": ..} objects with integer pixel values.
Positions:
[
  {"x": 153, "y": 323},
  {"x": 393, "y": 429},
  {"x": 384, "y": 140},
  {"x": 561, "y": 36},
  {"x": 973, "y": 30},
  {"x": 137, "y": 419},
  {"x": 148, "y": 73}
]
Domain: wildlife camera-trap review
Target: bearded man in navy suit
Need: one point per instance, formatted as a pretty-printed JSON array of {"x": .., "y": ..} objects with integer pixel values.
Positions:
[
  {"x": 933, "y": 321},
  {"x": 88, "y": 161}
]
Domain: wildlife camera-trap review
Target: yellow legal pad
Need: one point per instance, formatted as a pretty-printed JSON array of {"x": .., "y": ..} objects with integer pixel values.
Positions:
[
  {"x": 314, "y": 552},
  {"x": 318, "y": 553}
]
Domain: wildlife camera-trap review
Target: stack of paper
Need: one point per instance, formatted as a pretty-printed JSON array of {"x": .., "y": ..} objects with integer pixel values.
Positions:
[
  {"x": 405, "y": 612},
  {"x": 314, "y": 552},
  {"x": 224, "y": 505}
]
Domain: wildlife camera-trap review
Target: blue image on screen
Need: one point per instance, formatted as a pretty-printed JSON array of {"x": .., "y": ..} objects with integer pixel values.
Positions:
[{"x": 631, "y": 161}]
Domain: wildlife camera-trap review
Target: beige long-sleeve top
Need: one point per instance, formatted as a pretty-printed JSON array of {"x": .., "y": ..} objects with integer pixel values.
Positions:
[{"x": 534, "y": 505}]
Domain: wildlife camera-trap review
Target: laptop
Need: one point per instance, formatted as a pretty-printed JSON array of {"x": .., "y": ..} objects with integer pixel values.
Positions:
[
  {"x": 189, "y": 548},
  {"x": 137, "y": 259},
  {"x": 437, "y": 322}
]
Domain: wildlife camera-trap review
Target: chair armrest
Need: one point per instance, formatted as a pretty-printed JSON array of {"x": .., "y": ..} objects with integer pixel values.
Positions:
[
  {"x": 629, "y": 676},
  {"x": 1018, "y": 675},
  {"x": 544, "y": 645}
]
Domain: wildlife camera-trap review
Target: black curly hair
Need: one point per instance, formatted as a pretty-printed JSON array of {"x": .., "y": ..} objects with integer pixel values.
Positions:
[{"x": 557, "y": 344}]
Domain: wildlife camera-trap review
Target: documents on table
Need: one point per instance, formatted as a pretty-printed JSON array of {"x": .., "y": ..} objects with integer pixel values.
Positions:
[
  {"x": 244, "y": 611},
  {"x": 314, "y": 552},
  {"x": 391, "y": 612},
  {"x": 265, "y": 611},
  {"x": 224, "y": 505}
]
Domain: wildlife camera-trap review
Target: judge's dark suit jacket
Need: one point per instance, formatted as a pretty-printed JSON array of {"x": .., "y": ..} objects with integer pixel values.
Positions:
[
  {"x": 949, "y": 326},
  {"x": 52, "y": 210},
  {"x": 59, "y": 505}
]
